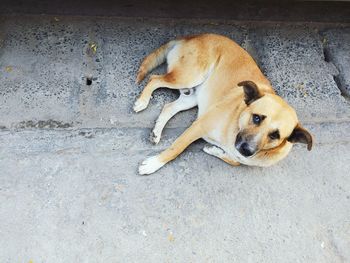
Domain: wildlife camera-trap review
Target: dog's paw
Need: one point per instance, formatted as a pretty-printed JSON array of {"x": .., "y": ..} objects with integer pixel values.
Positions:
[
  {"x": 150, "y": 165},
  {"x": 154, "y": 137},
  {"x": 140, "y": 105},
  {"x": 213, "y": 150}
]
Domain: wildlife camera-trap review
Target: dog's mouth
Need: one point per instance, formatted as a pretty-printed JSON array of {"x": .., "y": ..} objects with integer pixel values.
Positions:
[
  {"x": 243, "y": 147},
  {"x": 245, "y": 150}
]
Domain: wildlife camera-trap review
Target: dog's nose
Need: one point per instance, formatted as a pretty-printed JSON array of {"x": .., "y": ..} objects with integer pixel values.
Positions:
[{"x": 245, "y": 150}]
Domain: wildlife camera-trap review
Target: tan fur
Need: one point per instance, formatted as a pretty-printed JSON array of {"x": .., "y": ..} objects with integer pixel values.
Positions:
[
  {"x": 215, "y": 66},
  {"x": 153, "y": 60}
]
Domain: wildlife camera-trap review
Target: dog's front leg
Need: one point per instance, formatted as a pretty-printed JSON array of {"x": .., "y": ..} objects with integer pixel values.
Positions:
[
  {"x": 152, "y": 164},
  {"x": 219, "y": 153}
]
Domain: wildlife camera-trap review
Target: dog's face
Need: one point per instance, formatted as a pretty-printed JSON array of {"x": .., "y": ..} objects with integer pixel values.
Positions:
[{"x": 267, "y": 122}]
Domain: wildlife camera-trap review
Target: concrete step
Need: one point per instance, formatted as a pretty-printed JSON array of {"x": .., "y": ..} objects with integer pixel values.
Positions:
[{"x": 46, "y": 60}]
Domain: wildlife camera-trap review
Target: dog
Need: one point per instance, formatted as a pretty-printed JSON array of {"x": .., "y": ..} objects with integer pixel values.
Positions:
[{"x": 239, "y": 113}]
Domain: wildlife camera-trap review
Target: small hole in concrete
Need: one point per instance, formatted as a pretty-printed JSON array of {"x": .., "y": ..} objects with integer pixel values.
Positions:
[
  {"x": 326, "y": 54},
  {"x": 88, "y": 81}
]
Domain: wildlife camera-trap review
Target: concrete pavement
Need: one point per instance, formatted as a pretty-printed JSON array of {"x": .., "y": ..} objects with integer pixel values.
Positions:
[{"x": 69, "y": 189}]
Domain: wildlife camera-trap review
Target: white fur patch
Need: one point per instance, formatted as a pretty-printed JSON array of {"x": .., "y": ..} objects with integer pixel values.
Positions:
[
  {"x": 150, "y": 165},
  {"x": 140, "y": 105},
  {"x": 156, "y": 134},
  {"x": 213, "y": 150},
  {"x": 184, "y": 102}
]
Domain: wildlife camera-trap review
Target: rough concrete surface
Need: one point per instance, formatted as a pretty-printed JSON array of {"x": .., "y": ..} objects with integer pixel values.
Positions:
[
  {"x": 337, "y": 50},
  {"x": 45, "y": 62},
  {"x": 69, "y": 189}
]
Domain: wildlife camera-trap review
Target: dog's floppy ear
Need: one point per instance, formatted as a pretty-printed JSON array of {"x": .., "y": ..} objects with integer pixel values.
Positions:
[
  {"x": 301, "y": 135},
  {"x": 251, "y": 91}
]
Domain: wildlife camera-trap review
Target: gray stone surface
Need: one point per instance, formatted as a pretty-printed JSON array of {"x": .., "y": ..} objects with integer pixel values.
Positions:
[
  {"x": 73, "y": 197},
  {"x": 337, "y": 44},
  {"x": 292, "y": 58},
  {"x": 50, "y": 59},
  {"x": 45, "y": 62},
  {"x": 69, "y": 189}
]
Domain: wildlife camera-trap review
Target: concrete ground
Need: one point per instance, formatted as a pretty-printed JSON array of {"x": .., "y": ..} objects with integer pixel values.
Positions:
[{"x": 69, "y": 152}]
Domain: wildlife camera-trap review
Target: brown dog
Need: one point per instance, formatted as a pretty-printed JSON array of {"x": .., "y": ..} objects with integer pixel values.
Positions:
[{"x": 238, "y": 110}]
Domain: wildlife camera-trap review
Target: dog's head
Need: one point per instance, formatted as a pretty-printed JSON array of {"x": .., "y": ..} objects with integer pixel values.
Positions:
[{"x": 267, "y": 122}]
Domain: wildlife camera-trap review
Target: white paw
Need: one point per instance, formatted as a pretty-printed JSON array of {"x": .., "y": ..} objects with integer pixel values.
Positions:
[
  {"x": 140, "y": 105},
  {"x": 155, "y": 137},
  {"x": 150, "y": 165},
  {"x": 213, "y": 150}
]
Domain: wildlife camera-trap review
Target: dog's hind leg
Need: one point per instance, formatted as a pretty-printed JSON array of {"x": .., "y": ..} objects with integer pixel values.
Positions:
[
  {"x": 183, "y": 73},
  {"x": 186, "y": 101},
  {"x": 155, "y": 82},
  {"x": 171, "y": 80}
]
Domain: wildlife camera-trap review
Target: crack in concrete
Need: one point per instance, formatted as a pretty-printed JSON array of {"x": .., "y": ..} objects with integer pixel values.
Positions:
[
  {"x": 328, "y": 58},
  {"x": 51, "y": 124},
  {"x": 62, "y": 126}
]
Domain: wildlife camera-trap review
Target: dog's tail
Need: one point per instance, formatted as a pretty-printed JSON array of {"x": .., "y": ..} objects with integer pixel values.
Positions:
[{"x": 154, "y": 59}]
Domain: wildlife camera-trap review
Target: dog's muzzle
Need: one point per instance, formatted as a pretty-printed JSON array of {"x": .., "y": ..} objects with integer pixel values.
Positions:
[{"x": 243, "y": 146}]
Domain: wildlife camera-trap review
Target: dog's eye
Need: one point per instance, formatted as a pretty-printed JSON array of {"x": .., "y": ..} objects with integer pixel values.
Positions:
[
  {"x": 257, "y": 119},
  {"x": 274, "y": 135}
]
